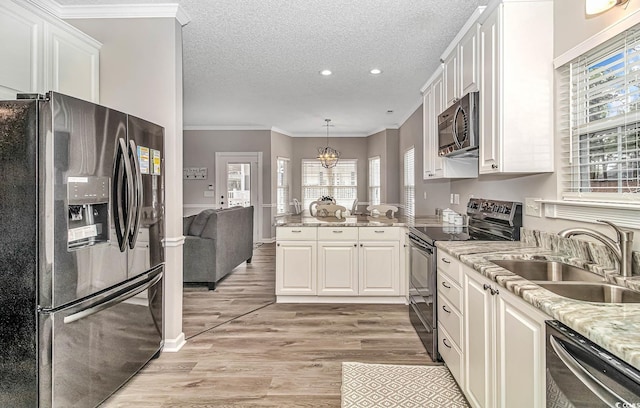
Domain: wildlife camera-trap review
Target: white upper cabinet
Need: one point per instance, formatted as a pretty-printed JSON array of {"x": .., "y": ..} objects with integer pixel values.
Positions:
[
  {"x": 20, "y": 51},
  {"x": 468, "y": 61},
  {"x": 460, "y": 62},
  {"x": 72, "y": 61},
  {"x": 44, "y": 53},
  {"x": 516, "y": 87}
]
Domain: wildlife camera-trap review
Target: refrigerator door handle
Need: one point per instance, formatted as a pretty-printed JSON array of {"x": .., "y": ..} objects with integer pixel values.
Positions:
[
  {"x": 102, "y": 305},
  {"x": 122, "y": 215},
  {"x": 137, "y": 181},
  {"x": 605, "y": 394}
]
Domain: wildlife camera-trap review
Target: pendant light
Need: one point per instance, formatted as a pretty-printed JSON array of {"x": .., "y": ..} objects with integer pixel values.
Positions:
[
  {"x": 328, "y": 156},
  {"x": 598, "y": 6}
]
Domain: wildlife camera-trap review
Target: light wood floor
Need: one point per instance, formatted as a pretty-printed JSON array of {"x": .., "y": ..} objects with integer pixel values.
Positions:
[{"x": 282, "y": 355}]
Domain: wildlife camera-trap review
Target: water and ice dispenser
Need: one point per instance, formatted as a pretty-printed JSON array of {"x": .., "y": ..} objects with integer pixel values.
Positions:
[{"x": 88, "y": 215}]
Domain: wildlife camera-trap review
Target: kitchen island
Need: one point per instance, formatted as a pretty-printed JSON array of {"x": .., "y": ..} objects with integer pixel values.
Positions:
[{"x": 355, "y": 259}]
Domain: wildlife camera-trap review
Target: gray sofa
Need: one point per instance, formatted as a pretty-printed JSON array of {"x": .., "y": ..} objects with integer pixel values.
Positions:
[{"x": 216, "y": 241}]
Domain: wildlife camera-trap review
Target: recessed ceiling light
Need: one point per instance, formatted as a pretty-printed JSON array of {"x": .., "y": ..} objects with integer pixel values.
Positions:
[
  {"x": 375, "y": 71},
  {"x": 326, "y": 72}
]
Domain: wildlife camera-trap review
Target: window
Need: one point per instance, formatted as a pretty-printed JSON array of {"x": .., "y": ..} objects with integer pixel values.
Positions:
[
  {"x": 339, "y": 182},
  {"x": 601, "y": 129},
  {"x": 409, "y": 185},
  {"x": 374, "y": 180},
  {"x": 282, "y": 200}
]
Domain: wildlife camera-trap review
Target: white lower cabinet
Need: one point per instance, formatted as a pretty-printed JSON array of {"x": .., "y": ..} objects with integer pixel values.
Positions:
[
  {"x": 337, "y": 268},
  {"x": 491, "y": 340},
  {"x": 296, "y": 261},
  {"x": 379, "y": 272},
  {"x": 325, "y": 262},
  {"x": 503, "y": 346}
]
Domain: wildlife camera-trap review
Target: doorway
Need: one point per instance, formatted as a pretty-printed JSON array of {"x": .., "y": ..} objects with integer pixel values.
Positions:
[{"x": 239, "y": 182}]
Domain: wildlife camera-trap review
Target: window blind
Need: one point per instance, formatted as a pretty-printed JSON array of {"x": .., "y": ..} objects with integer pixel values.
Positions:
[
  {"x": 282, "y": 200},
  {"x": 374, "y": 180},
  {"x": 409, "y": 196},
  {"x": 601, "y": 128},
  {"x": 339, "y": 182}
]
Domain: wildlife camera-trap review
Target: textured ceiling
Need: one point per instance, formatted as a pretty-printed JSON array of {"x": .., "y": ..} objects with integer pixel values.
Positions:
[{"x": 255, "y": 63}]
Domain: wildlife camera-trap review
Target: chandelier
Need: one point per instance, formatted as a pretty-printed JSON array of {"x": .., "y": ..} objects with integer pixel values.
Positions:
[{"x": 328, "y": 156}]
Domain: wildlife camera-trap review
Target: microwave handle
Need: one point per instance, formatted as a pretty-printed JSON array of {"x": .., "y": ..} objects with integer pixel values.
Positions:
[{"x": 455, "y": 127}]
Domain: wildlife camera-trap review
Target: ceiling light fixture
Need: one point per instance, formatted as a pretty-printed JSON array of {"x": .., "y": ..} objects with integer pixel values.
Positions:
[
  {"x": 598, "y": 6},
  {"x": 328, "y": 156},
  {"x": 326, "y": 72},
  {"x": 375, "y": 71}
]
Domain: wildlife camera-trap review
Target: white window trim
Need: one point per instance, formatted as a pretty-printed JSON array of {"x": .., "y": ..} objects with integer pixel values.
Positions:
[
  {"x": 621, "y": 210},
  {"x": 369, "y": 185},
  {"x": 288, "y": 186},
  {"x": 404, "y": 165}
]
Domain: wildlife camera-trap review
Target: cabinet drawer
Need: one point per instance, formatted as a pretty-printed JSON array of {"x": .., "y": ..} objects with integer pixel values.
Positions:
[
  {"x": 450, "y": 266},
  {"x": 449, "y": 290},
  {"x": 451, "y": 355},
  {"x": 337, "y": 234},
  {"x": 379, "y": 233},
  {"x": 450, "y": 319},
  {"x": 296, "y": 233}
]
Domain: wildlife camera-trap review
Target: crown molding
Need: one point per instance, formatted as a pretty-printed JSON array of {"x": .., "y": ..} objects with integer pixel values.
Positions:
[
  {"x": 228, "y": 127},
  {"x": 165, "y": 10},
  {"x": 281, "y": 131}
]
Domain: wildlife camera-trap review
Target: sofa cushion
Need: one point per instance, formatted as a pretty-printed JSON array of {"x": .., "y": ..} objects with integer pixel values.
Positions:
[
  {"x": 186, "y": 224},
  {"x": 199, "y": 222}
]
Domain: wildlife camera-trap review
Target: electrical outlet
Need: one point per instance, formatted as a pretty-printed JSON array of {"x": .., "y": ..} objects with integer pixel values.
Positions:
[
  {"x": 451, "y": 199},
  {"x": 425, "y": 195},
  {"x": 532, "y": 207},
  {"x": 456, "y": 198}
]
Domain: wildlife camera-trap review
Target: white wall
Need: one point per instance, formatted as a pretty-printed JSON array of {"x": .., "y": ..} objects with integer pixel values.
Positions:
[{"x": 141, "y": 74}]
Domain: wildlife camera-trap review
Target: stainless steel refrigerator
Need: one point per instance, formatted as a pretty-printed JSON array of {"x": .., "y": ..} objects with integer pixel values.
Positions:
[{"x": 81, "y": 256}]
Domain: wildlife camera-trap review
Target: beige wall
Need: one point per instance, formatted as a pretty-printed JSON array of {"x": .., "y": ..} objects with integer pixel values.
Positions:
[
  {"x": 200, "y": 147},
  {"x": 385, "y": 144},
  {"x": 141, "y": 74}
]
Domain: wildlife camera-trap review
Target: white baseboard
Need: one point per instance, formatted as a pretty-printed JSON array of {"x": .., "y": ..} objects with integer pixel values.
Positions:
[
  {"x": 174, "y": 345},
  {"x": 380, "y": 300},
  {"x": 268, "y": 240}
]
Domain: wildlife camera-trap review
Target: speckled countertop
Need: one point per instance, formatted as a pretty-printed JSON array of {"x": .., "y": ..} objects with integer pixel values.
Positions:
[
  {"x": 615, "y": 327},
  {"x": 359, "y": 220}
]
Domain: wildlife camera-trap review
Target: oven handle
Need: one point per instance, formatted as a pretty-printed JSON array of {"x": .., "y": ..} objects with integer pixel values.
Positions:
[
  {"x": 605, "y": 394},
  {"x": 415, "y": 243}
]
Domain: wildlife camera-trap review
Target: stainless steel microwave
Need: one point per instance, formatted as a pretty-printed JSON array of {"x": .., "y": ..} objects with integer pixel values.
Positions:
[{"x": 458, "y": 127}]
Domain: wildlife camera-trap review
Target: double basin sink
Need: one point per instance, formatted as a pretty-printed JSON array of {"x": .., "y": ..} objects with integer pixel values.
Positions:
[{"x": 569, "y": 281}]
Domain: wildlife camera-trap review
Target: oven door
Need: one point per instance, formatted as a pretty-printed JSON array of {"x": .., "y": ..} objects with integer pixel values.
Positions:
[{"x": 422, "y": 293}]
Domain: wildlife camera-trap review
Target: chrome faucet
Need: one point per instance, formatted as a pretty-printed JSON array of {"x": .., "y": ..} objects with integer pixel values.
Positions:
[{"x": 620, "y": 248}]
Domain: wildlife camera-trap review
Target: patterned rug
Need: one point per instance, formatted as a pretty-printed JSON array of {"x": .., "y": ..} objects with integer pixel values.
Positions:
[{"x": 385, "y": 385}]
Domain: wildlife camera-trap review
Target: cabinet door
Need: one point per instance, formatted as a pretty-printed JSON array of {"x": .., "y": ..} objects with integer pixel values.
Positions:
[
  {"x": 478, "y": 329},
  {"x": 468, "y": 54},
  {"x": 450, "y": 65},
  {"x": 72, "y": 63},
  {"x": 428, "y": 117},
  {"x": 489, "y": 94},
  {"x": 337, "y": 269},
  {"x": 520, "y": 341},
  {"x": 20, "y": 51},
  {"x": 296, "y": 268},
  {"x": 379, "y": 264}
]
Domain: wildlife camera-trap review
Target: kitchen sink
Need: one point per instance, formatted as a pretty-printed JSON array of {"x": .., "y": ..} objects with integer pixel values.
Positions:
[
  {"x": 543, "y": 270},
  {"x": 592, "y": 292}
]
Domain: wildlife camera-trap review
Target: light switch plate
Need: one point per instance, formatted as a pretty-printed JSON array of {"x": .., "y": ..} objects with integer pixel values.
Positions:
[{"x": 532, "y": 207}]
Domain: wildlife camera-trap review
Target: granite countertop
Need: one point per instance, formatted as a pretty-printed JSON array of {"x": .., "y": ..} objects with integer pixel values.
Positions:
[
  {"x": 358, "y": 220},
  {"x": 614, "y": 326}
]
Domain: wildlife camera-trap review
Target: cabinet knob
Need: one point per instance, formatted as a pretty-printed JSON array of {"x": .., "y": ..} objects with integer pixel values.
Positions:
[
  {"x": 355, "y": 245},
  {"x": 495, "y": 291},
  {"x": 278, "y": 244},
  {"x": 485, "y": 286},
  {"x": 494, "y": 166},
  {"x": 360, "y": 244}
]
